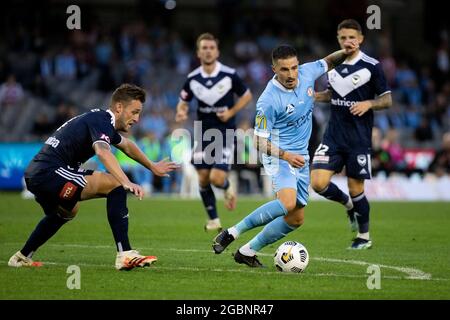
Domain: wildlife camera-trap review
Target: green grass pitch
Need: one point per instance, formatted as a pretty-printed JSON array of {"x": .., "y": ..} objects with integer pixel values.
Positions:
[{"x": 411, "y": 246}]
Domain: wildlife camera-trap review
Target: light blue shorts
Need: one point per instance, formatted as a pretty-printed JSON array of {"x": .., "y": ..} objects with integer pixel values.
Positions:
[{"x": 285, "y": 176}]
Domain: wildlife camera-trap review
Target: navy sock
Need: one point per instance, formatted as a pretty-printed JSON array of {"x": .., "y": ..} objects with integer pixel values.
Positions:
[
  {"x": 116, "y": 206},
  {"x": 332, "y": 192},
  {"x": 45, "y": 229},
  {"x": 361, "y": 207},
  {"x": 209, "y": 201}
]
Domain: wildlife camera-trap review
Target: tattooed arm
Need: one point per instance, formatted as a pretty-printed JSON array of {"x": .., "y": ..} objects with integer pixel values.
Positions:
[
  {"x": 381, "y": 102},
  {"x": 265, "y": 146}
]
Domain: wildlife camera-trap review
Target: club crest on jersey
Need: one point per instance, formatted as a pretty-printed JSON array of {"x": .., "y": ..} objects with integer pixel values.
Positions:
[
  {"x": 355, "y": 78},
  {"x": 105, "y": 137},
  {"x": 362, "y": 160},
  {"x": 310, "y": 91},
  {"x": 290, "y": 108}
]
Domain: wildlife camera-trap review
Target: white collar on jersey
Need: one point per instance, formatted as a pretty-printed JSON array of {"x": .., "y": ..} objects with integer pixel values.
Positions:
[
  {"x": 277, "y": 84},
  {"x": 355, "y": 59},
  {"x": 113, "y": 118},
  {"x": 214, "y": 73}
]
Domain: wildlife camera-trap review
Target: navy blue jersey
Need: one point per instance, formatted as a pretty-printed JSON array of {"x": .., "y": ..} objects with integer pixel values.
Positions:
[
  {"x": 214, "y": 93},
  {"x": 360, "y": 79},
  {"x": 72, "y": 143}
]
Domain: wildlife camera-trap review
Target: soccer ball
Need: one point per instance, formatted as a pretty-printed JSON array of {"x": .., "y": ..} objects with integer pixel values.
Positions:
[{"x": 291, "y": 256}]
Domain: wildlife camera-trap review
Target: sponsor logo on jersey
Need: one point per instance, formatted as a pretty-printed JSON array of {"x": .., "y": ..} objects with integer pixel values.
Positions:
[
  {"x": 68, "y": 191},
  {"x": 343, "y": 103}
]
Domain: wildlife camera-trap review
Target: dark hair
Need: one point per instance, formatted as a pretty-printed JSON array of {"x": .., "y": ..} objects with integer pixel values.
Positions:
[
  {"x": 127, "y": 92},
  {"x": 350, "y": 24},
  {"x": 283, "y": 51},
  {"x": 206, "y": 36}
]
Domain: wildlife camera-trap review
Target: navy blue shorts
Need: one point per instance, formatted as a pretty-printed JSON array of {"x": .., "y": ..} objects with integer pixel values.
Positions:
[
  {"x": 58, "y": 187},
  {"x": 357, "y": 163},
  {"x": 212, "y": 155}
]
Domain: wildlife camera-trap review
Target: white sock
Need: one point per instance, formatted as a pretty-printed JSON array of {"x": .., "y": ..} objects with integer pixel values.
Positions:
[
  {"x": 234, "y": 232},
  {"x": 364, "y": 235},
  {"x": 349, "y": 204},
  {"x": 247, "y": 251}
]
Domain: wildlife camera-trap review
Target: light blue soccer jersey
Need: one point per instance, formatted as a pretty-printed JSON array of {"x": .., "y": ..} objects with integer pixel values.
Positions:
[{"x": 285, "y": 116}]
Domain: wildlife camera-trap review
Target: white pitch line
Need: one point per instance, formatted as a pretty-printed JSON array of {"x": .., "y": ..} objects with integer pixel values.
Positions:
[
  {"x": 246, "y": 271},
  {"x": 413, "y": 274}
]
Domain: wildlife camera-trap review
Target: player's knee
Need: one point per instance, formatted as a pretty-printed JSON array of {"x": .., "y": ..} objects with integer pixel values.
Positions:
[
  {"x": 203, "y": 181},
  {"x": 67, "y": 214},
  {"x": 318, "y": 182},
  {"x": 217, "y": 181},
  {"x": 289, "y": 203}
]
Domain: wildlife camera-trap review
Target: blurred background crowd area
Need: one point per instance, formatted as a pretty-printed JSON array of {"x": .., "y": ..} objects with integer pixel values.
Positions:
[{"x": 49, "y": 74}]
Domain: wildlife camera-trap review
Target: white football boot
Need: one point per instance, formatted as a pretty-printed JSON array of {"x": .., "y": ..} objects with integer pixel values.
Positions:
[
  {"x": 19, "y": 260},
  {"x": 213, "y": 225},
  {"x": 127, "y": 260}
]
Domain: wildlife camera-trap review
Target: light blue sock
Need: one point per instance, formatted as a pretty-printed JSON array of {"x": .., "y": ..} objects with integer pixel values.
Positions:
[
  {"x": 261, "y": 216},
  {"x": 272, "y": 232}
]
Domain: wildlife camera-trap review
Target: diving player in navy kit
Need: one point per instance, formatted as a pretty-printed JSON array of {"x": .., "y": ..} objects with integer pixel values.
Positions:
[
  {"x": 213, "y": 85},
  {"x": 356, "y": 88},
  {"x": 55, "y": 178}
]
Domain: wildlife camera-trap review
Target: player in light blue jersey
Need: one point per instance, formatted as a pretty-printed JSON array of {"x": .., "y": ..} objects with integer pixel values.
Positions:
[{"x": 282, "y": 130}]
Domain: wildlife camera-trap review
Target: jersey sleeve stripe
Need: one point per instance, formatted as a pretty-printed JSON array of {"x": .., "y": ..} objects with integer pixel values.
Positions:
[
  {"x": 386, "y": 92},
  {"x": 101, "y": 141}
]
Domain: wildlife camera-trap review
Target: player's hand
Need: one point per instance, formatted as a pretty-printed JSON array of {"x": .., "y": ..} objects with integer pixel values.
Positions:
[
  {"x": 359, "y": 108},
  {"x": 350, "y": 46},
  {"x": 225, "y": 115},
  {"x": 295, "y": 160},
  {"x": 181, "y": 116},
  {"x": 164, "y": 166},
  {"x": 136, "y": 189}
]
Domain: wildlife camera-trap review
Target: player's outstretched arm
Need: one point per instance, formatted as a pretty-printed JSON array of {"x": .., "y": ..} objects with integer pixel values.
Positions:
[
  {"x": 381, "y": 102},
  {"x": 160, "y": 168},
  {"x": 323, "y": 96},
  {"x": 265, "y": 146},
  {"x": 182, "y": 111},
  {"x": 241, "y": 103},
  {"x": 104, "y": 154},
  {"x": 336, "y": 58}
]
